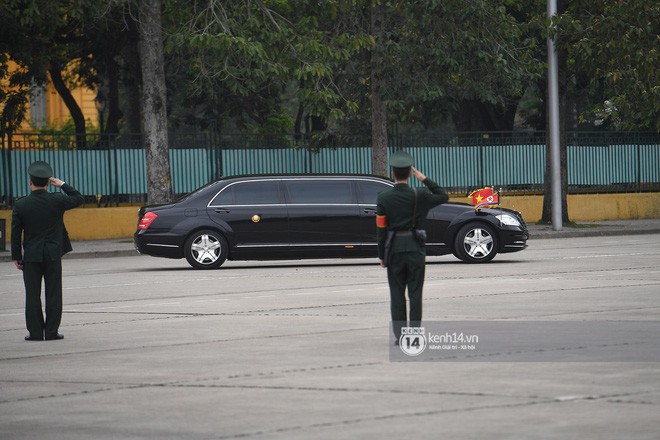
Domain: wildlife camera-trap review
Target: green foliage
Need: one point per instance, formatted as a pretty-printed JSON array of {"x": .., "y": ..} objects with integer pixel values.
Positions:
[
  {"x": 282, "y": 65},
  {"x": 439, "y": 55},
  {"x": 279, "y": 125},
  {"x": 236, "y": 60},
  {"x": 14, "y": 105},
  {"x": 40, "y": 36},
  {"x": 613, "y": 53}
]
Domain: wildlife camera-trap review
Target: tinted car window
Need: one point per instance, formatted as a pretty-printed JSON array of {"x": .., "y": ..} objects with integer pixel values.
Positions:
[
  {"x": 249, "y": 193},
  {"x": 369, "y": 192},
  {"x": 256, "y": 193},
  {"x": 226, "y": 197},
  {"x": 194, "y": 194},
  {"x": 320, "y": 192}
]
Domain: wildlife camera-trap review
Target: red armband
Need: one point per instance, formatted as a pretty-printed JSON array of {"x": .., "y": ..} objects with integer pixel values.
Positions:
[{"x": 381, "y": 221}]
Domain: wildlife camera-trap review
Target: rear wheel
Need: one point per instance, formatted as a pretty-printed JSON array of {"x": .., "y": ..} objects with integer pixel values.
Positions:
[
  {"x": 475, "y": 243},
  {"x": 206, "y": 249}
]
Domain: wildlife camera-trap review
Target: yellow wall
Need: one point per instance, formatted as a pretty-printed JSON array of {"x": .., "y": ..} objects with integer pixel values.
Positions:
[
  {"x": 92, "y": 223},
  {"x": 591, "y": 207},
  {"x": 56, "y": 111}
]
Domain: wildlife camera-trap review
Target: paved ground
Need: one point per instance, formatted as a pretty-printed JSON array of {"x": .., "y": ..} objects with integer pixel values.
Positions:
[{"x": 291, "y": 350}]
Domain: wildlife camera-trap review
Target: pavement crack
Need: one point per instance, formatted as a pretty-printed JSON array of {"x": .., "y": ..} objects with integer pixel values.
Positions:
[
  {"x": 71, "y": 393},
  {"x": 348, "y": 390},
  {"x": 406, "y": 416},
  {"x": 187, "y": 343},
  {"x": 378, "y": 418}
]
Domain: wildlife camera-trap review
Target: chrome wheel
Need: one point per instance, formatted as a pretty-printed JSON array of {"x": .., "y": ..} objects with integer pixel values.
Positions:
[
  {"x": 478, "y": 243},
  {"x": 206, "y": 250},
  {"x": 475, "y": 243}
]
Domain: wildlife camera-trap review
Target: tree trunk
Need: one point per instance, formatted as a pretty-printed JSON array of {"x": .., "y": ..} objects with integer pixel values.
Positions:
[
  {"x": 378, "y": 105},
  {"x": 297, "y": 126},
  {"x": 154, "y": 103},
  {"x": 114, "y": 112},
  {"x": 71, "y": 104}
]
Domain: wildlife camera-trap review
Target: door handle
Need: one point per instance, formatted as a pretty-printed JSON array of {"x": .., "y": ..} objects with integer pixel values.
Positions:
[
  {"x": 369, "y": 211},
  {"x": 222, "y": 211}
]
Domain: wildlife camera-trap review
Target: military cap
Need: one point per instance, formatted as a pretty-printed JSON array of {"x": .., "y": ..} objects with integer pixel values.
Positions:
[
  {"x": 40, "y": 169},
  {"x": 401, "y": 159}
]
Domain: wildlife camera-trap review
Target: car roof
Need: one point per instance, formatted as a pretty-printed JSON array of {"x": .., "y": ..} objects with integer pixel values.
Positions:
[{"x": 301, "y": 176}]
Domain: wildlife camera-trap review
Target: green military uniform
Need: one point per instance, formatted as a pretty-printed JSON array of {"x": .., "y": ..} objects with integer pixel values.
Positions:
[
  {"x": 406, "y": 269},
  {"x": 38, "y": 240}
]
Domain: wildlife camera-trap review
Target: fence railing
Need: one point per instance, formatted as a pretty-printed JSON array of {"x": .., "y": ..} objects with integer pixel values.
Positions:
[{"x": 113, "y": 170}]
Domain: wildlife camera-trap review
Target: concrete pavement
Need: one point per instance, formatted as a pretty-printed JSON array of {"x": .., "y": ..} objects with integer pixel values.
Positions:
[{"x": 299, "y": 350}]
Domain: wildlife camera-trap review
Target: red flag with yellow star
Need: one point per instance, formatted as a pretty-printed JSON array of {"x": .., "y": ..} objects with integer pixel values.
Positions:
[{"x": 485, "y": 197}]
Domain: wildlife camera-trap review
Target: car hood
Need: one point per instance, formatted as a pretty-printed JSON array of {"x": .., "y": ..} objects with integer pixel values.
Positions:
[
  {"x": 460, "y": 213},
  {"x": 465, "y": 207}
]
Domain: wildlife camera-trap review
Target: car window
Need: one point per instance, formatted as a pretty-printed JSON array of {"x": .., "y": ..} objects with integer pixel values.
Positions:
[
  {"x": 368, "y": 191},
  {"x": 256, "y": 193},
  {"x": 226, "y": 197},
  {"x": 320, "y": 192},
  {"x": 249, "y": 193}
]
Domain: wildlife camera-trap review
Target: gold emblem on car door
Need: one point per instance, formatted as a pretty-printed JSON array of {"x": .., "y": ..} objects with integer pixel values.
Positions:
[{"x": 256, "y": 218}]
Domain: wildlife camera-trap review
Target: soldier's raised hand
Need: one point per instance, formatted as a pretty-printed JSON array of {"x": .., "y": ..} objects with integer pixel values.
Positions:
[
  {"x": 56, "y": 182},
  {"x": 418, "y": 174}
]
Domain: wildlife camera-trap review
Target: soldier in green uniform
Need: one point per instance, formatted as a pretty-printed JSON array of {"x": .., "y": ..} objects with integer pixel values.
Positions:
[
  {"x": 38, "y": 241},
  {"x": 400, "y": 212}
]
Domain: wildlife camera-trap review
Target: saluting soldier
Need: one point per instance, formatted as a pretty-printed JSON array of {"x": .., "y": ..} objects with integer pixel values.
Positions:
[
  {"x": 38, "y": 242},
  {"x": 400, "y": 213}
]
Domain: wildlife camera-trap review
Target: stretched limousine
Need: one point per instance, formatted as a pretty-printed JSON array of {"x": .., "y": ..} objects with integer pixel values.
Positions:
[{"x": 308, "y": 216}]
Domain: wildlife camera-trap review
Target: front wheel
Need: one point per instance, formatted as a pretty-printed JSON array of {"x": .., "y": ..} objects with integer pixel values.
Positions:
[
  {"x": 475, "y": 243},
  {"x": 206, "y": 250}
]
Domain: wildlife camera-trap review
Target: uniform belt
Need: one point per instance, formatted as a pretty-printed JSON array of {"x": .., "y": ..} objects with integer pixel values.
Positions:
[{"x": 404, "y": 233}]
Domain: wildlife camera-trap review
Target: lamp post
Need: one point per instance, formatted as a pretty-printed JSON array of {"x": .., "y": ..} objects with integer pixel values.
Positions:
[{"x": 553, "y": 125}]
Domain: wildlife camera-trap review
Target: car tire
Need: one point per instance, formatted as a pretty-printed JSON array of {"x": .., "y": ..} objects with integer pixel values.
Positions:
[
  {"x": 476, "y": 242},
  {"x": 206, "y": 249}
]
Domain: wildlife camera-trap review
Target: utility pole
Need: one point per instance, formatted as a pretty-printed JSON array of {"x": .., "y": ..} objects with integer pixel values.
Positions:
[{"x": 553, "y": 125}]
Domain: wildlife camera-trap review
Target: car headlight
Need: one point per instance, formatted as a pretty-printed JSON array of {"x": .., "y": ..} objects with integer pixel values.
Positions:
[{"x": 508, "y": 220}]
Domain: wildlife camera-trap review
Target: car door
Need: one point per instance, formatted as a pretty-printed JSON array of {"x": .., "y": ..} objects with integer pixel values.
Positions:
[
  {"x": 254, "y": 213},
  {"x": 323, "y": 215},
  {"x": 436, "y": 225},
  {"x": 368, "y": 191}
]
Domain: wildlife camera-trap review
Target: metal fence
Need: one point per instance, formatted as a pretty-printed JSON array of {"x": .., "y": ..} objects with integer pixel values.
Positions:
[{"x": 113, "y": 170}]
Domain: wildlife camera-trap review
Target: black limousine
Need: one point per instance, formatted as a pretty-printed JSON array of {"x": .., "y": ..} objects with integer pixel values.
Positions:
[{"x": 308, "y": 216}]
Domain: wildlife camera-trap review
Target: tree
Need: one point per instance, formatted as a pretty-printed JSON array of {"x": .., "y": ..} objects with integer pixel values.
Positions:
[
  {"x": 228, "y": 62},
  {"x": 46, "y": 39},
  {"x": 519, "y": 30},
  {"x": 111, "y": 41},
  {"x": 432, "y": 59},
  {"x": 13, "y": 99},
  {"x": 240, "y": 62},
  {"x": 154, "y": 102},
  {"x": 608, "y": 55},
  {"x": 612, "y": 52},
  {"x": 378, "y": 84}
]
